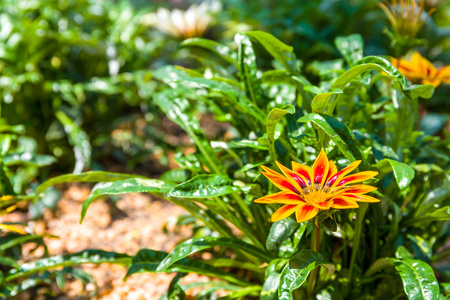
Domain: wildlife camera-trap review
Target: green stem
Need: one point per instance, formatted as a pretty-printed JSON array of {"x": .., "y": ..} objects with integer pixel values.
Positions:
[
  {"x": 315, "y": 272},
  {"x": 361, "y": 211}
]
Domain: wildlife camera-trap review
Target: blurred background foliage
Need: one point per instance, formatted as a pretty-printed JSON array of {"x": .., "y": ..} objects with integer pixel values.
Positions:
[{"x": 85, "y": 65}]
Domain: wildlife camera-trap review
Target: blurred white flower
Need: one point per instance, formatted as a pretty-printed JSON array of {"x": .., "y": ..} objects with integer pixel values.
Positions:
[{"x": 184, "y": 24}]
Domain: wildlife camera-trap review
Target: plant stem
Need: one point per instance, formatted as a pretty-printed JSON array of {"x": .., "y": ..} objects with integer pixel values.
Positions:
[
  {"x": 315, "y": 272},
  {"x": 360, "y": 212}
]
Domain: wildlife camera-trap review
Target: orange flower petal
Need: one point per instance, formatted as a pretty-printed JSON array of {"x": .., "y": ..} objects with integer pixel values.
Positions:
[
  {"x": 339, "y": 175},
  {"x": 320, "y": 168},
  {"x": 360, "y": 189},
  {"x": 357, "y": 177},
  {"x": 281, "y": 197},
  {"x": 344, "y": 202},
  {"x": 305, "y": 212},
  {"x": 296, "y": 179},
  {"x": 332, "y": 170},
  {"x": 443, "y": 74},
  {"x": 323, "y": 205},
  {"x": 279, "y": 180},
  {"x": 283, "y": 212},
  {"x": 363, "y": 198},
  {"x": 303, "y": 170}
]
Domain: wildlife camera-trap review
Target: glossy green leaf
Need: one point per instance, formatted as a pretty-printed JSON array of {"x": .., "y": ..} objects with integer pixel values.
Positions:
[
  {"x": 422, "y": 248},
  {"x": 220, "y": 50},
  {"x": 250, "y": 144},
  {"x": 83, "y": 257},
  {"x": 275, "y": 116},
  {"x": 338, "y": 132},
  {"x": 129, "y": 185},
  {"x": 92, "y": 176},
  {"x": 175, "y": 291},
  {"x": 270, "y": 287},
  {"x": 197, "y": 244},
  {"x": 403, "y": 173},
  {"x": 418, "y": 279},
  {"x": 147, "y": 260},
  {"x": 295, "y": 273},
  {"x": 325, "y": 103},
  {"x": 79, "y": 140},
  {"x": 432, "y": 123},
  {"x": 279, "y": 231},
  {"x": 204, "y": 186},
  {"x": 351, "y": 47},
  {"x": 248, "y": 69},
  {"x": 279, "y": 50}
]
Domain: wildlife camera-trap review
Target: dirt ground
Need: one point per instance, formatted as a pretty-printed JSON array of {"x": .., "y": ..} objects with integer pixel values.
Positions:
[{"x": 136, "y": 221}]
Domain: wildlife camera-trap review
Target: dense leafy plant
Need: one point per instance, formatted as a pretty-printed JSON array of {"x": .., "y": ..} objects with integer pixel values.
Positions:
[{"x": 363, "y": 109}]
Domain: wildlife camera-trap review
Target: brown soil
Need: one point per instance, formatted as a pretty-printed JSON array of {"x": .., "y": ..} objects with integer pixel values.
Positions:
[{"x": 135, "y": 222}]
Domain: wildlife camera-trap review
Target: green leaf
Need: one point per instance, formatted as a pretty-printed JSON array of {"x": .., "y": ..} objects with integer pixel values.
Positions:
[
  {"x": 275, "y": 116},
  {"x": 179, "y": 111},
  {"x": 270, "y": 287},
  {"x": 241, "y": 293},
  {"x": 197, "y": 244},
  {"x": 422, "y": 248},
  {"x": 28, "y": 158},
  {"x": 147, "y": 260},
  {"x": 351, "y": 47},
  {"x": 83, "y": 257},
  {"x": 325, "y": 103},
  {"x": 92, "y": 176},
  {"x": 441, "y": 214},
  {"x": 295, "y": 273},
  {"x": 248, "y": 69},
  {"x": 279, "y": 50},
  {"x": 5, "y": 143},
  {"x": 418, "y": 279},
  {"x": 129, "y": 185},
  {"x": 79, "y": 140},
  {"x": 279, "y": 231},
  {"x": 403, "y": 173},
  {"x": 176, "y": 175},
  {"x": 204, "y": 186},
  {"x": 234, "y": 97},
  {"x": 338, "y": 132},
  {"x": 220, "y": 50}
]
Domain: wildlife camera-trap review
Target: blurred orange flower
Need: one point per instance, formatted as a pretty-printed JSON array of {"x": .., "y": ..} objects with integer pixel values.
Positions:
[
  {"x": 305, "y": 191},
  {"x": 420, "y": 70}
]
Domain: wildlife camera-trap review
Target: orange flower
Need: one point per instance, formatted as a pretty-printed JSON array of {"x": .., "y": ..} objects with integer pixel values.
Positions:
[
  {"x": 305, "y": 191},
  {"x": 420, "y": 70}
]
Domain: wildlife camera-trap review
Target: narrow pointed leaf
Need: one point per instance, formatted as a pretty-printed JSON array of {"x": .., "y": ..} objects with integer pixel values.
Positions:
[
  {"x": 338, "y": 132},
  {"x": 197, "y": 244},
  {"x": 220, "y": 50},
  {"x": 279, "y": 50},
  {"x": 129, "y": 185},
  {"x": 147, "y": 260},
  {"x": 248, "y": 68},
  {"x": 275, "y": 116},
  {"x": 92, "y": 176},
  {"x": 83, "y": 257},
  {"x": 204, "y": 186}
]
